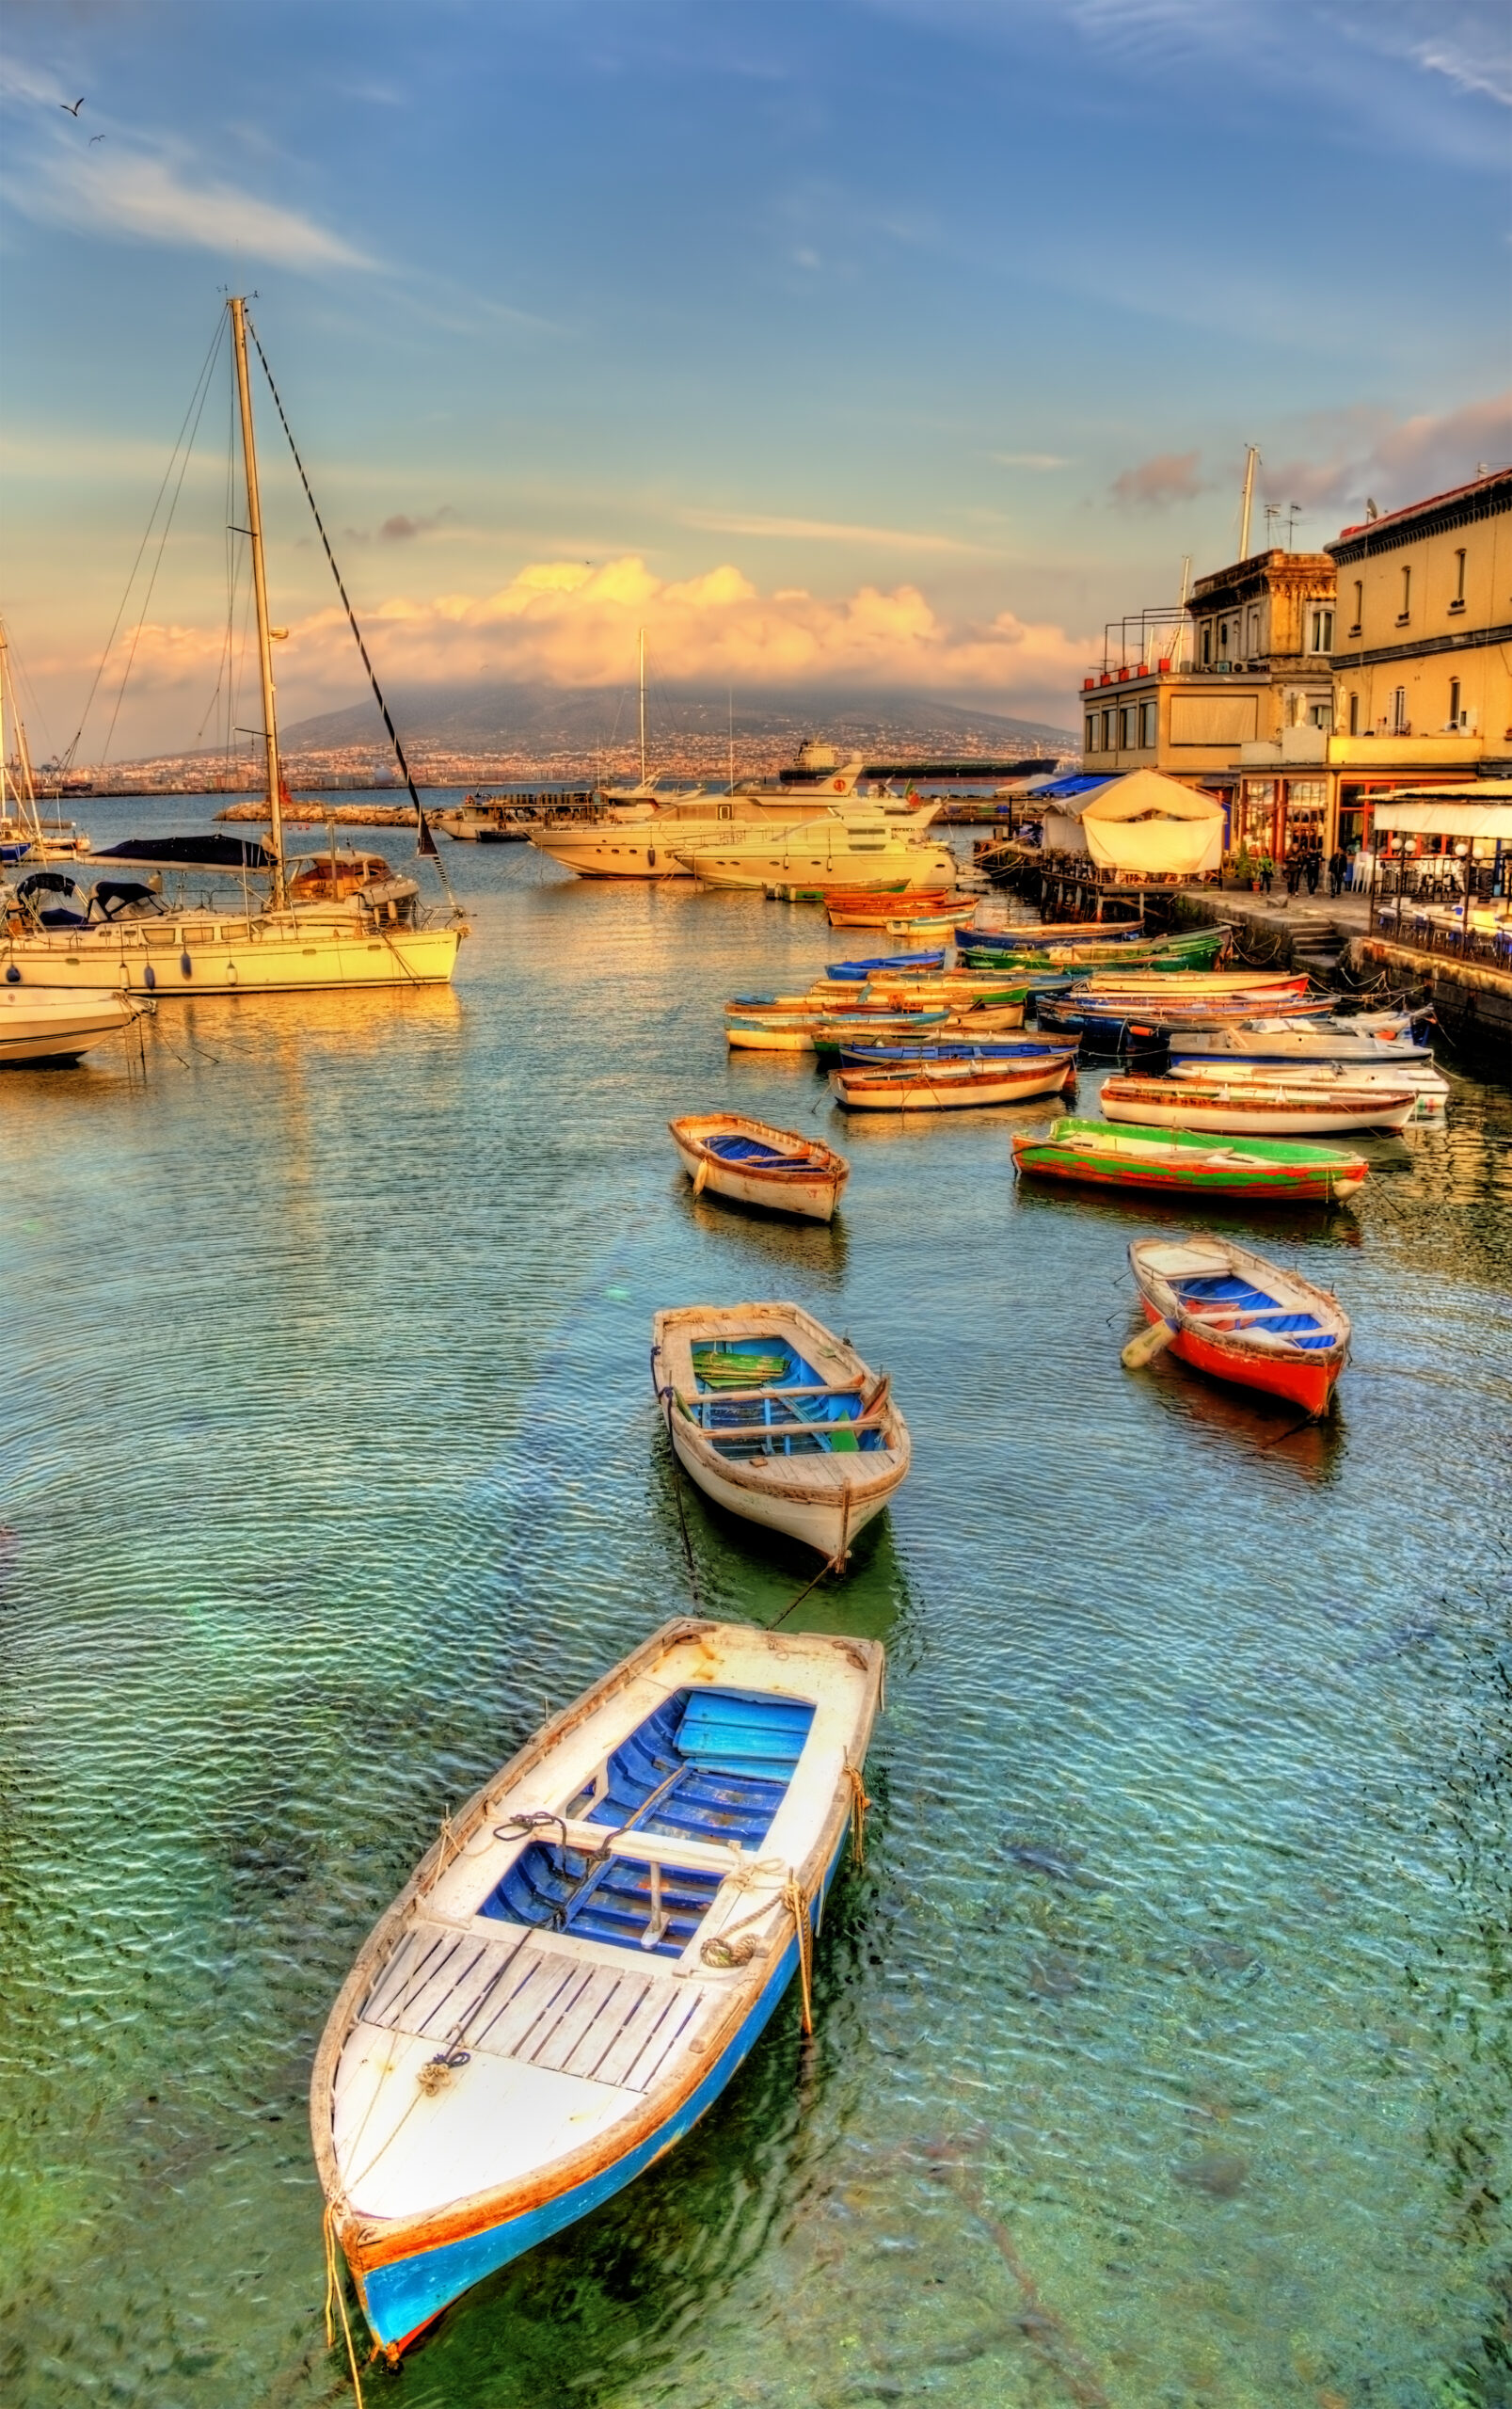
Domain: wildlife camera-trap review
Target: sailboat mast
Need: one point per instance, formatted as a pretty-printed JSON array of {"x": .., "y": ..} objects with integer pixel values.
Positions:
[
  {"x": 643, "y": 706},
  {"x": 260, "y": 587}
]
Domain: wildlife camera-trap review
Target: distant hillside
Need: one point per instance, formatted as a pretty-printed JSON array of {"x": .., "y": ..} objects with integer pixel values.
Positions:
[{"x": 546, "y": 722}]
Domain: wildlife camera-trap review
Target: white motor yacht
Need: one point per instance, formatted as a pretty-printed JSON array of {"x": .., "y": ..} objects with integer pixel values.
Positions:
[
  {"x": 840, "y": 848},
  {"x": 52, "y": 1025}
]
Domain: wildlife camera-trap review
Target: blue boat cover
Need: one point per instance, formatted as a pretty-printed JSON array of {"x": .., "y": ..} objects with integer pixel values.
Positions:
[
  {"x": 1227, "y": 1288},
  {"x": 717, "y": 1763},
  {"x": 1024, "y": 1050}
]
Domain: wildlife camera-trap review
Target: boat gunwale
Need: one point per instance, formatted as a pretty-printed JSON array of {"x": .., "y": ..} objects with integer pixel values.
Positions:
[{"x": 372, "y": 2242}]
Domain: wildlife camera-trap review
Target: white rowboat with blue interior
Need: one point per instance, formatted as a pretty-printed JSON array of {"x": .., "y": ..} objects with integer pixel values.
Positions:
[
  {"x": 580, "y": 1964},
  {"x": 755, "y": 1163},
  {"x": 778, "y": 1420}
]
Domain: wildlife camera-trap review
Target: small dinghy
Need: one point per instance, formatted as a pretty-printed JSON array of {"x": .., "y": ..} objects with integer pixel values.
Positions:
[
  {"x": 1106, "y": 1154},
  {"x": 862, "y": 971},
  {"x": 862, "y": 1056},
  {"x": 1332, "y": 1037},
  {"x": 949, "y": 1086},
  {"x": 955, "y": 916},
  {"x": 778, "y": 1420},
  {"x": 1231, "y": 1313},
  {"x": 757, "y": 1164},
  {"x": 579, "y": 1965},
  {"x": 800, "y": 1033},
  {"x": 1234, "y": 1107}
]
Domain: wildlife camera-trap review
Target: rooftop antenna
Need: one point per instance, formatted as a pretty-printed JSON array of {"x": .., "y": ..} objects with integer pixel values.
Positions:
[
  {"x": 1293, "y": 512},
  {"x": 643, "y": 706},
  {"x": 1251, "y": 458},
  {"x": 1181, "y": 609},
  {"x": 1272, "y": 514}
]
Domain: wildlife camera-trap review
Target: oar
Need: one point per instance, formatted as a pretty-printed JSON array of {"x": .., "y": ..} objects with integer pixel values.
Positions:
[{"x": 1149, "y": 1343}]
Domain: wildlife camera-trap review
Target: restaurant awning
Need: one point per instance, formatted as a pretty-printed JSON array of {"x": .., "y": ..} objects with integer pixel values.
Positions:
[{"x": 1471, "y": 817}]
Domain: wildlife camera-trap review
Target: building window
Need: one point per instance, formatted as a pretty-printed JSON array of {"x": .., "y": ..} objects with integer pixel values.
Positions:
[
  {"x": 1401, "y": 725},
  {"x": 1125, "y": 729},
  {"x": 1107, "y": 731},
  {"x": 1405, "y": 611},
  {"x": 1207, "y": 644},
  {"x": 1224, "y": 639},
  {"x": 1149, "y": 732},
  {"x": 1360, "y": 606},
  {"x": 1459, "y": 602},
  {"x": 1321, "y": 714},
  {"x": 1092, "y": 731},
  {"x": 1354, "y": 714},
  {"x": 1254, "y": 635},
  {"x": 1322, "y": 632},
  {"x": 1453, "y": 696}
]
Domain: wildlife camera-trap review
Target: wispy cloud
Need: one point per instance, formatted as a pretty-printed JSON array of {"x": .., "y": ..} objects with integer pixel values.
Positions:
[
  {"x": 1154, "y": 484},
  {"x": 1394, "y": 464},
  {"x": 1039, "y": 460},
  {"x": 128, "y": 189},
  {"x": 826, "y": 530}
]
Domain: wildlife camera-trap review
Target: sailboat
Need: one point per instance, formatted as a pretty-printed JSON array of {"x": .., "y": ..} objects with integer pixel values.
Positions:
[
  {"x": 24, "y": 834},
  {"x": 311, "y": 931}
]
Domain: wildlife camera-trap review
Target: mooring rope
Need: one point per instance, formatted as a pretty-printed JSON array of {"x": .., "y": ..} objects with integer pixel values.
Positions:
[
  {"x": 336, "y": 2291},
  {"x": 859, "y": 1803},
  {"x": 676, "y": 1491},
  {"x": 795, "y": 1900}
]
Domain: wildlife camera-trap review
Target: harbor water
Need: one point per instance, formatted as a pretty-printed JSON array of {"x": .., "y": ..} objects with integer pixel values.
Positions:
[{"x": 1163, "y": 2047}]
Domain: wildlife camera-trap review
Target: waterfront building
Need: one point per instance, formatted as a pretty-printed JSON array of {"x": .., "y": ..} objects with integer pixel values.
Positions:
[{"x": 1248, "y": 664}]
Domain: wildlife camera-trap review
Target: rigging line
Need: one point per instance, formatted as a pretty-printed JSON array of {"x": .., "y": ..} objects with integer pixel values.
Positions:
[
  {"x": 426, "y": 843},
  {"x": 157, "y": 564},
  {"x": 89, "y": 704}
]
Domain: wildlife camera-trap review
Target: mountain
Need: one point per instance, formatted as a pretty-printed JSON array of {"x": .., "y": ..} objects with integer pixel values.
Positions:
[{"x": 543, "y": 725}]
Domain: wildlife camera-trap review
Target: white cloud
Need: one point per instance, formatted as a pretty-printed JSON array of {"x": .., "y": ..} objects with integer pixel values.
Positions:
[
  {"x": 1030, "y": 459},
  {"x": 1395, "y": 464},
  {"x": 568, "y": 624},
  {"x": 826, "y": 530}
]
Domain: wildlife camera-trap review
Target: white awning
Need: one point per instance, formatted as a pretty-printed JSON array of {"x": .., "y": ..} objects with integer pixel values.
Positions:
[{"x": 1473, "y": 817}]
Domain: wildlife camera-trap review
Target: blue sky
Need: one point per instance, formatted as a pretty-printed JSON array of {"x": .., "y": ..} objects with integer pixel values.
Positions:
[{"x": 887, "y": 343}]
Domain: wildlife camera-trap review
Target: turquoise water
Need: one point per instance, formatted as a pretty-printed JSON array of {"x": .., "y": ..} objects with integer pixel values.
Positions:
[{"x": 1163, "y": 2053}]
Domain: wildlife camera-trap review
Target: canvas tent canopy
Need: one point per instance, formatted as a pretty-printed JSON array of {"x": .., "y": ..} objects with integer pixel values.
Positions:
[
  {"x": 1478, "y": 814},
  {"x": 1142, "y": 822}
]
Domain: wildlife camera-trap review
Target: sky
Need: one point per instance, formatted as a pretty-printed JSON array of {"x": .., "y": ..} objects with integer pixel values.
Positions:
[{"x": 861, "y": 343}]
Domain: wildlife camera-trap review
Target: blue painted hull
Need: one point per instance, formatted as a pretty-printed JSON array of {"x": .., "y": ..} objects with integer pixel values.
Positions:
[{"x": 401, "y": 2298}]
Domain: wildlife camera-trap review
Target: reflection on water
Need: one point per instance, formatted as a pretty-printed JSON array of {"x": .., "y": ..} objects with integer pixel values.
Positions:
[{"x": 1162, "y": 2053}]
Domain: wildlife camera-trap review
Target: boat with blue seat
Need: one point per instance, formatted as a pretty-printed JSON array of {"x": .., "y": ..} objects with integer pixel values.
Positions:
[
  {"x": 862, "y": 971},
  {"x": 1230, "y": 1314},
  {"x": 580, "y": 1964},
  {"x": 753, "y": 1162},
  {"x": 778, "y": 1420}
]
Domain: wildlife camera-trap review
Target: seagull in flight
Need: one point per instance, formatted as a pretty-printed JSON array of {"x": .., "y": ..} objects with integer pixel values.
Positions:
[
  {"x": 72, "y": 109},
  {"x": 94, "y": 138}
]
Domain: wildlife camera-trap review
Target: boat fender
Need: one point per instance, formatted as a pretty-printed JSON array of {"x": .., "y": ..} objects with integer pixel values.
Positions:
[
  {"x": 149, "y": 977},
  {"x": 230, "y": 974},
  {"x": 185, "y": 964},
  {"x": 700, "y": 1178},
  {"x": 12, "y": 975},
  {"x": 650, "y": 857}
]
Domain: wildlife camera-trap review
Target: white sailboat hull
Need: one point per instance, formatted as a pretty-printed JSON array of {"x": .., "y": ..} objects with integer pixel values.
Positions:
[{"x": 205, "y": 954}]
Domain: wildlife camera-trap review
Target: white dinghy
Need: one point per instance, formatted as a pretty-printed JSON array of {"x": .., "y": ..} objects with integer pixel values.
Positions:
[
  {"x": 582, "y": 1962},
  {"x": 777, "y": 1419},
  {"x": 753, "y": 1162}
]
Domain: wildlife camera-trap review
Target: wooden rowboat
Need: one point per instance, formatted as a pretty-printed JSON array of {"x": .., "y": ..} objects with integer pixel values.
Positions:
[
  {"x": 1430, "y": 1089},
  {"x": 848, "y": 909},
  {"x": 1240, "y": 1107},
  {"x": 1106, "y": 1154},
  {"x": 578, "y": 1966},
  {"x": 757, "y": 1164},
  {"x": 1160, "y": 955},
  {"x": 799, "y": 1033},
  {"x": 1167, "y": 985},
  {"x": 949, "y": 1085},
  {"x": 1229, "y": 1312},
  {"x": 862, "y": 971},
  {"x": 778, "y": 1420},
  {"x": 955, "y": 916}
]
